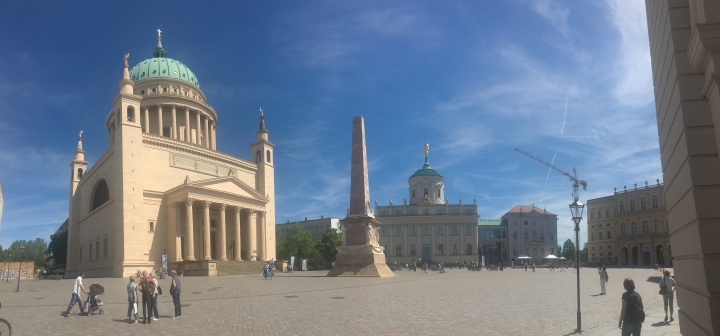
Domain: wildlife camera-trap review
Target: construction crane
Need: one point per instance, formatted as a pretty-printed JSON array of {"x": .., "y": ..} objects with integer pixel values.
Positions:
[{"x": 573, "y": 177}]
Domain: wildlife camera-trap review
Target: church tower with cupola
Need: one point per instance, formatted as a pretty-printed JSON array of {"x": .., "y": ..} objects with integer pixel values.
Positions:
[
  {"x": 427, "y": 186},
  {"x": 162, "y": 196}
]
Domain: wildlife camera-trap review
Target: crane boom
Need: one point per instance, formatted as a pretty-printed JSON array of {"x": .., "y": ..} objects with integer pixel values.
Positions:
[{"x": 573, "y": 177}]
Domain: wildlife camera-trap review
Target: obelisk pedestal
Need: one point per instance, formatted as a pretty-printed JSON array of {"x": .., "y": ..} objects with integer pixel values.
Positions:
[{"x": 361, "y": 255}]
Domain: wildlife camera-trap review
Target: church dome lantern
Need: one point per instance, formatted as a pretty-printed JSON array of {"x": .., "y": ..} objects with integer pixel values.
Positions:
[
  {"x": 160, "y": 66},
  {"x": 427, "y": 186}
]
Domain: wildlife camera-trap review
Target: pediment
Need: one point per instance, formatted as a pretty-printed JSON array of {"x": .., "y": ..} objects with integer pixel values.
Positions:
[{"x": 229, "y": 185}]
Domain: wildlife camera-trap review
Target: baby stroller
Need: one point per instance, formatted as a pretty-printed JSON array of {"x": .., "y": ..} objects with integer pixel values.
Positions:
[{"x": 93, "y": 304}]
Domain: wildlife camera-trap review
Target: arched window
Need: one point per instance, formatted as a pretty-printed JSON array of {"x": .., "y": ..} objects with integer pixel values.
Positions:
[
  {"x": 656, "y": 225},
  {"x": 632, "y": 205},
  {"x": 622, "y": 206},
  {"x": 258, "y": 157},
  {"x": 654, "y": 202},
  {"x": 645, "y": 228},
  {"x": 623, "y": 230},
  {"x": 643, "y": 204},
  {"x": 130, "y": 114},
  {"x": 268, "y": 159},
  {"x": 633, "y": 229},
  {"x": 101, "y": 195},
  {"x": 79, "y": 173}
]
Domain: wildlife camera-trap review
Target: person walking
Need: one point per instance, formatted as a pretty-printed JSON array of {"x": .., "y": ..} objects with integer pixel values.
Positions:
[
  {"x": 154, "y": 296},
  {"x": 667, "y": 289},
  {"x": 132, "y": 300},
  {"x": 175, "y": 293},
  {"x": 602, "y": 271},
  {"x": 77, "y": 287},
  {"x": 628, "y": 314}
]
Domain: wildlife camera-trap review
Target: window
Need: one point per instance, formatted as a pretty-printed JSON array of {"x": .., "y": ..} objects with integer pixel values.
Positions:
[
  {"x": 453, "y": 229},
  {"x": 167, "y": 131},
  {"x": 654, "y": 202},
  {"x": 130, "y": 114},
  {"x": 425, "y": 192},
  {"x": 514, "y": 234},
  {"x": 97, "y": 250},
  {"x": 592, "y": 236},
  {"x": 622, "y": 206},
  {"x": 105, "y": 248},
  {"x": 534, "y": 234},
  {"x": 468, "y": 249},
  {"x": 607, "y": 213},
  {"x": 426, "y": 229},
  {"x": 643, "y": 204},
  {"x": 398, "y": 250},
  {"x": 632, "y": 205},
  {"x": 623, "y": 230},
  {"x": 440, "y": 250},
  {"x": 90, "y": 251},
  {"x": 600, "y": 235},
  {"x": 592, "y": 215},
  {"x": 413, "y": 193},
  {"x": 412, "y": 250},
  {"x": 267, "y": 156},
  {"x": 79, "y": 173},
  {"x": 383, "y": 231},
  {"x": 599, "y": 214},
  {"x": 468, "y": 229},
  {"x": 438, "y": 194},
  {"x": 426, "y": 211},
  {"x": 397, "y": 212},
  {"x": 608, "y": 235},
  {"x": 398, "y": 230},
  {"x": 101, "y": 194},
  {"x": 411, "y": 229},
  {"x": 656, "y": 224},
  {"x": 258, "y": 157},
  {"x": 439, "y": 229},
  {"x": 633, "y": 229},
  {"x": 152, "y": 226},
  {"x": 645, "y": 228}
]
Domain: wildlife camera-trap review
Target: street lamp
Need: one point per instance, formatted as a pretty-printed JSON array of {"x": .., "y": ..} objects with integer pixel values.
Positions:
[
  {"x": 7, "y": 275},
  {"x": 20, "y": 268},
  {"x": 576, "y": 209}
]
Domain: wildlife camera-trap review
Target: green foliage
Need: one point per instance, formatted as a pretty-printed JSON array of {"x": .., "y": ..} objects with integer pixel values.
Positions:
[
  {"x": 57, "y": 250},
  {"x": 569, "y": 249},
  {"x": 327, "y": 247},
  {"x": 26, "y": 250},
  {"x": 298, "y": 243},
  {"x": 584, "y": 253}
]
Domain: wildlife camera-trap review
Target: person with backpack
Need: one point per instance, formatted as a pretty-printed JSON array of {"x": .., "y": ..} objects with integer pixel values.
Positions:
[{"x": 632, "y": 314}]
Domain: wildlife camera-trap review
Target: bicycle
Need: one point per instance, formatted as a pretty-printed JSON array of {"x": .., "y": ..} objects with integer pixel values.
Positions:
[{"x": 5, "y": 328}]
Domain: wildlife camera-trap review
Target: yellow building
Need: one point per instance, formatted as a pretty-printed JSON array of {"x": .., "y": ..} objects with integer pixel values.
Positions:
[{"x": 162, "y": 187}]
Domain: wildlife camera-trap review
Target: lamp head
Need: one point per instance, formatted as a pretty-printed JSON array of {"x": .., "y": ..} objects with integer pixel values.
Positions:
[{"x": 576, "y": 209}]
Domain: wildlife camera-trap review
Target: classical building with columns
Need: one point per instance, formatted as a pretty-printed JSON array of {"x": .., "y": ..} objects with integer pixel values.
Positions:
[
  {"x": 629, "y": 227},
  {"x": 428, "y": 227},
  {"x": 162, "y": 187}
]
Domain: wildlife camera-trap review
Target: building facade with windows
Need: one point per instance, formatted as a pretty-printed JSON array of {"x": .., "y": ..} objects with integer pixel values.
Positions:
[
  {"x": 162, "y": 188},
  {"x": 428, "y": 227},
  {"x": 492, "y": 241},
  {"x": 316, "y": 226},
  {"x": 629, "y": 228},
  {"x": 531, "y": 232}
]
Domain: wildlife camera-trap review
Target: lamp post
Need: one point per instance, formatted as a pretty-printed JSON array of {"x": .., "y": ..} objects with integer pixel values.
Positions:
[
  {"x": 20, "y": 268},
  {"x": 576, "y": 209},
  {"x": 7, "y": 274}
]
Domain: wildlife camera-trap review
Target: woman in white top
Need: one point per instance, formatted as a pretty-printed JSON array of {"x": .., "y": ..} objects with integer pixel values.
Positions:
[{"x": 668, "y": 284}]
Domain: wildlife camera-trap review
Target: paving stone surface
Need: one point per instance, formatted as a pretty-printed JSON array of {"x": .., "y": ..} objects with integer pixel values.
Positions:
[{"x": 460, "y": 302}]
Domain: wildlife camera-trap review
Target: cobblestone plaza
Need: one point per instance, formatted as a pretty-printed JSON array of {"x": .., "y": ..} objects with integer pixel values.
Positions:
[{"x": 510, "y": 302}]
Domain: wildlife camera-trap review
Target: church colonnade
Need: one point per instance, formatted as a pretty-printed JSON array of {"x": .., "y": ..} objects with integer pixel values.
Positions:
[
  {"x": 221, "y": 228},
  {"x": 181, "y": 123}
]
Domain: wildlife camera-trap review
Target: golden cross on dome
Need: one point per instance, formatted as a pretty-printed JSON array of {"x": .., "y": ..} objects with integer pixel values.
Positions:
[
  {"x": 159, "y": 32},
  {"x": 427, "y": 149},
  {"x": 261, "y": 112}
]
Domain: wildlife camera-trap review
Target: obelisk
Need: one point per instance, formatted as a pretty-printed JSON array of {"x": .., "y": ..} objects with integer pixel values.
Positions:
[{"x": 361, "y": 255}]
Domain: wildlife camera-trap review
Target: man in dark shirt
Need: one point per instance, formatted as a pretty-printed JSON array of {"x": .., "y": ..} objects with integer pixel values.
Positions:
[{"x": 175, "y": 292}]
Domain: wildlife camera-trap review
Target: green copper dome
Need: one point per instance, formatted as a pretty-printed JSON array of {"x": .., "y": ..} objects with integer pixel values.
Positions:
[
  {"x": 426, "y": 170},
  {"x": 162, "y": 67}
]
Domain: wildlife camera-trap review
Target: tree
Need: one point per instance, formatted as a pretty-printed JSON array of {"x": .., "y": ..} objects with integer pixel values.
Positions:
[
  {"x": 328, "y": 244},
  {"x": 584, "y": 253},
  {"x": 569, "y": 249},
  {"x": 57, "y": 250},
  {"x": 298, "y": 243},
  {"x": 559, "y": 251},
  {"x": 27, "y": 250}
]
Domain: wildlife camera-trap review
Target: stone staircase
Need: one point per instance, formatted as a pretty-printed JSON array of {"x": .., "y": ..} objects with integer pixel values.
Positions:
[{"x": 239, "y": 267}]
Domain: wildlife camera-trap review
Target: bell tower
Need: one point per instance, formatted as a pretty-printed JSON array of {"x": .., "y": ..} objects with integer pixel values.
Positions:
[
  {"x": 263, "y": 157},
  {"x": 78, "y": 166}
]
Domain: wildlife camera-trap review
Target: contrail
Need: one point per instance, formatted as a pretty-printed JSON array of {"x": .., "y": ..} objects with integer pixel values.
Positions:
[
  {"x": 562, "y": 129},
  {"x": 547, "y": 178}
]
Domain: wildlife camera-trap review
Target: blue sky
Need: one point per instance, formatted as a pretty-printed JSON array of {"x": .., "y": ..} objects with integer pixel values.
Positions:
[{"x": 569, "y": 81}]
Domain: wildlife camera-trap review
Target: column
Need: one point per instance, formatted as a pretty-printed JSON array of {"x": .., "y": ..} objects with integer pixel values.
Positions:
[
  {"x": 160, "y": 121},
  {"x": 206, "y": 231},
  {"x": 461, "y": 246},
  {"x": 197, "y": 133},
  {"x": 391, "y": 244},
  {"x": 433, "y": 246},
  {"x": 418, "y": 245},
  {"x": 206, "y": 139},
  {"x": 406, "y": 248},
  {"x": 238, "y": 243},
  {"x": 262, "y": 239},
  {"x": 223, "y": 237},
  {"x": 174, "y": 119},
  {"x": 187, "y": 124},
  {"x": 475, "y": 240},
  {"x": 214, "y": 140},
  {"x": 147, "y": 120},
  {"x": 252, "y": 235},
  {"x": 447, "y": 228},
  {"x": 189, "y": 242}
]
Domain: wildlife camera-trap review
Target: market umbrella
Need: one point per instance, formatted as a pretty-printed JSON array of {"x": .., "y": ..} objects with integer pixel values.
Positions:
[
  {"x": 552, "y": 257},
  {"x": 524, "y": 257}
]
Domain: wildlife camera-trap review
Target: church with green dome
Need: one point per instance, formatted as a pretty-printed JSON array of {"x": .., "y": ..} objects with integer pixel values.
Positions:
[{"x": 163, "y": 197}]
